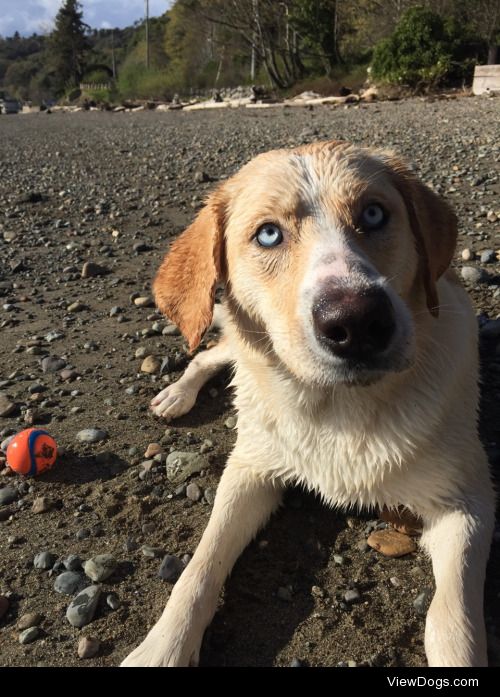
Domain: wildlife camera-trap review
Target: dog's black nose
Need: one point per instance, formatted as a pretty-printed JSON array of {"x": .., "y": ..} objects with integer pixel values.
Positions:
[{"x": 354, "y": 324}]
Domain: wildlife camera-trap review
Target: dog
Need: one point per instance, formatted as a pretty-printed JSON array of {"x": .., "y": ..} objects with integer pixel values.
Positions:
[{"x": 356, "y": 374}]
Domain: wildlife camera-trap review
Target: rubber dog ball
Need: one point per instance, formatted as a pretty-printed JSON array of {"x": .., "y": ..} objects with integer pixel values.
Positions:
[{"x": 31, "y": 452}]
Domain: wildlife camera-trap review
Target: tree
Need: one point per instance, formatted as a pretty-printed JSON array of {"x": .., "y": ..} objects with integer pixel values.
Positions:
[{"x": 68, "y": 45}]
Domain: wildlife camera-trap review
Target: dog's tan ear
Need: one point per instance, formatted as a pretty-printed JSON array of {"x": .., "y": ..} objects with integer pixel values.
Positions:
[
  {"x": 434, "y": 225},
  {"x": 184, "y": 287}
]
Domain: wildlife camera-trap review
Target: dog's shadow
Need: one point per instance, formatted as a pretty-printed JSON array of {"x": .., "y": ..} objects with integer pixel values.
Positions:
[{"x": 74, "y": 468}]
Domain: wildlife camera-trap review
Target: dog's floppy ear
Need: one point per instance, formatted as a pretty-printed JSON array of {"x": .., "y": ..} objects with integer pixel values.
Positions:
[
  {"x": 434, "y": 225},
  {"x": 184, "y": 287}
]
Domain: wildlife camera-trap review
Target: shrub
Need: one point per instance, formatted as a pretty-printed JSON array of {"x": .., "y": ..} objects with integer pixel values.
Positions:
[{"x": 424, "y": 50}]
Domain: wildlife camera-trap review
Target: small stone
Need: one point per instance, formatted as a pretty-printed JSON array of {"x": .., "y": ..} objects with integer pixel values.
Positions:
[
  {"x": 395, "y": 581},
  {"x": 352, "y": 596},
  {"x": 76, "y": 307},
  {"x": 362, "y": 546},
  {"x": 152, "y": 552},
  {"x": 391, "y": 543},
  {"x": 152, "y": 450},
  {"x": 88, "y": 647},
  {"x": 91, "y": 435},
  {"x": 30, "y": 619},
  {"x": 101, "y": 567},
  {"x": 193, "y": 492},
  {"x": 7, "y": 407},
  {"x": 317, "y": 592},
  {"x": 171, "y": 330},
  {"x": 421, "y": 602},
  {"x": 230, "y": 422},
  {"x": 52, "y": 364},
  {"x": 200, "y": 176},
  {"x": 297, "y": 663},
  {"x": 69, "y": 374},
  {"x": 144, "y": 301},
  {"x": 171, "y": 568},
  {"x": 90, "y": 270},
  {"x": 467, "y": 254},
  {"x": 68, "y": 582},
  {"x": 7, "y": 495},
  {"x": 44, "y": 560},
  {"x": 42, "y": 504},
  {"x": 181, "y": 465},
  {"x": 82, "y": 534},
  {"x": 4, "y": 606},
  {"x": 29, "y": 635},
  {"x": 338, "y": 559},
  {"x": 472, "y": 275},
  {"x": 209, "y": 495},
  {"x": 488, "y": 256},
  {"x": 113, "y": 601},
  {"x": 150, "y": 365},
  {"x": 82, "y": 608}
]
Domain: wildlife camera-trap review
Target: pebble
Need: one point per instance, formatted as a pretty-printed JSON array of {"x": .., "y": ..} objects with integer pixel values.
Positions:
[
  {"x": 76, "y": 306},
  {"x": 88, "y": 647},
  {"x": 170, "y": 568},
  {"x": 352, "y": 596},
  {"x": 90, "y": 270},
  {"x": 68, "y": 582},
  {"x": 150, "y": 365},
  {"x": 152, "y": 552},
  {"x": 7, "y": 407},
  {"x": 91, "y": 435},
  {"x": 82, "y": 608},
  {"x": 7, "y": 495},
  {"x": 472, "y": 275},
  {"x": 5, "y": 443},
  {"x": 42, "y": 504},
  {"x": 467, "y": 254},
  {"x": 488, "y": 256},
  {"x": 152, "y": 450},
  {"x": 29, "y": 635},
  {"x": 4, "y": 606},
  {"x": 171, "y": 330},
  {"x": 391, "y": 543},
  {"x": 113, "y": 601},
  {"x": 209, "y": 495},
  {"x": 338, "y": 559},
  {"x": 52, "y": 364},
  {"x": 181, "y": 465},
  {"x": 230, "y": 422},
  {"x": 193, "y": 492},
  {"x": 69, "y": 374},
  {"x": 29, "y": 619},
  {"x": 144, "y": 301},
  {"x": 297, "y": 663},
  {"x": 44, "y": 560},
  {"x": 421, "y": 602},
  {"x": 100, "y": 568}
]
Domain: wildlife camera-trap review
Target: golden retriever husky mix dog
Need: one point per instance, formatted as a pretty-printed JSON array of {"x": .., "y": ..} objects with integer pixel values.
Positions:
[{"x": 356, "y": 373}]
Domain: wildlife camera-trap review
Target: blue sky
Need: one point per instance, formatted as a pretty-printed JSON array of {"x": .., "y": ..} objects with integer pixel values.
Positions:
[{"x": 28, "y": 16}]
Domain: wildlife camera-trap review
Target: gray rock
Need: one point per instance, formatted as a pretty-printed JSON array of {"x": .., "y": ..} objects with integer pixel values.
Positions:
[
  {"x": 53, "y": 336},
  {"x": 29, "y": 635},
  {"x": 421, "y": 602},
  {"x": 171, "y": 568},
  {"x": 52, "y": 364},
  {"x": 193, "y": 492},
  {"x": 7, "y": 406},
  {"x": 181, "y": 465},
  {"x": 338, "y": 559},
  {"x": 209, "y": 495},
  {"x": 488, "y": 256},
  {"x": 113, "y": 601},
  {"x": 68, "y": 582},
  {"x": 91, "y": 435},
  {"x": 82, "y": 608},
  {"x": 352, "y": 596},
  {"x": 5, "y": 443},
  {"x": 88, "y": 647},
  {"x": 230, "y": 422},
  {"x": 101, "y": 567},
  {"x": 472, "y": 275},
  {"x": 152, "y": 552},
  {"x": 7, "y": 495},
  {"x": 44, "y": 560}
]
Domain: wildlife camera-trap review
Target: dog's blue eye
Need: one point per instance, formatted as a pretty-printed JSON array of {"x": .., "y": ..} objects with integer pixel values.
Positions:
[
  {"x": 269, "y": 235},
  {"x": 373, "y": 217}
]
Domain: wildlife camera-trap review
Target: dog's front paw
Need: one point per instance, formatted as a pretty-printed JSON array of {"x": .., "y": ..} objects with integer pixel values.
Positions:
[
  {"x": 174, "y": 401},
  {"x": 161, "y": 650}
]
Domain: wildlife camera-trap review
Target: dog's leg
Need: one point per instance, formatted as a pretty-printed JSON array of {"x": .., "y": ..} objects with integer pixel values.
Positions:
[
  {"x": 179, "y": 397},
  {"x": 243, "y": 504},
  {"x": 458, "y": 542}
]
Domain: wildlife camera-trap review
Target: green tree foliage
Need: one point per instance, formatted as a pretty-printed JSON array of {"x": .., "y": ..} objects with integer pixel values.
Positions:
[
  {"x": 424, "y": 49},
  {"x": 68, "y": 46}
]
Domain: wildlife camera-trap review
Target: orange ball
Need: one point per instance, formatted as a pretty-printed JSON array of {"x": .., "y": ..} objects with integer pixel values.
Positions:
[{"x": 31, "y": 452}]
